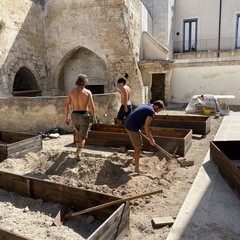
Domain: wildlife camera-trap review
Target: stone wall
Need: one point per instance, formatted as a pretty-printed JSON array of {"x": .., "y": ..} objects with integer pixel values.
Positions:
[
  {"x": 42, "y": 114},
  {"x": 148, "y": 68},
  {"x": 22, "y": 43},
  {"x": 58, "y": 40},
  {"x": 102, "y": 28}
]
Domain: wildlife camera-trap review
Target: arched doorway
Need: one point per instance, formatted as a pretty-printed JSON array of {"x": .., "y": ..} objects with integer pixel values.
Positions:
[{"x": 25, "y": 84}]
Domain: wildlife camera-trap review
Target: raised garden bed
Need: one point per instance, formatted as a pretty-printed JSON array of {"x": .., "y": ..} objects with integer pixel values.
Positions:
[
  {"x": 116, "y": 136},
  {"x": 227, "y": 158},
  {"x": 14, "y": 144},
  {"x": 115, "y": 218},
  {"x": 198, "y": 124}
]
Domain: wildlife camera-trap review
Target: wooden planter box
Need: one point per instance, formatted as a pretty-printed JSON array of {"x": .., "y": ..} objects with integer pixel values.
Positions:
[
  {"x": 115, "y": 218},
  {"x": 226, "y": 156},
  {"x": 198, "y": 124},
  {"x": 14, "y": 144},
  {"x": 116, "y": 136}
]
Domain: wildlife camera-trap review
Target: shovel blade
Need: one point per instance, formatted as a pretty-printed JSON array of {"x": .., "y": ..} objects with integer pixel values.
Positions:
[{"x": 59, "y": 219}]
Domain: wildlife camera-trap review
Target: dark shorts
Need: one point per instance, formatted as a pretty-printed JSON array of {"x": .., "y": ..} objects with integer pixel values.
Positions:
[
  {"x": 81, "y": 122},
  {"x": 122, "y": 113},
  {"x": 135, "y": 137}
]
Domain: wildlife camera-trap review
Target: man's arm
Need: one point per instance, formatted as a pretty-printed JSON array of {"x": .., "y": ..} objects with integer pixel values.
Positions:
[
  {"x": 66, "y": 109},
  {"x": 147, "y": 129},
  {"x": 91, "y": 104}
]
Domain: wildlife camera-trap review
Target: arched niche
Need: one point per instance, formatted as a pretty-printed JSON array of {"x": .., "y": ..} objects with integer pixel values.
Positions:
[
  {"x": 84, "y": 61},
  {"x": 25, "y": 84}
]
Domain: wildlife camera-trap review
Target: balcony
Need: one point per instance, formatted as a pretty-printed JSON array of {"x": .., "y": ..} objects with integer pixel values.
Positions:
[{"x": 207, "y": 48}]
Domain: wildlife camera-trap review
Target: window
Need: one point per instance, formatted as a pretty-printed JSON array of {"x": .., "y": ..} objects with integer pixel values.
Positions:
[
  {"x": 190, "y": 35},
  {"x": 238, "y": 32}
]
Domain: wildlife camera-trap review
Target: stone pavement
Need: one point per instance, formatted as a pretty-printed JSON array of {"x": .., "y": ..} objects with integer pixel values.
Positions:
[{"x": 211, "y": 211}]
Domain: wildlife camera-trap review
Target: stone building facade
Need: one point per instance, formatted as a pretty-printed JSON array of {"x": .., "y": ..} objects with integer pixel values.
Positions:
[{"x": 45, "y": 45}]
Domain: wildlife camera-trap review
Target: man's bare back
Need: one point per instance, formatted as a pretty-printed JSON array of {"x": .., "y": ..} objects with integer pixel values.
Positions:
[
  {"x": 80, "y": 99},
  {"x": 125, "y": 95}
]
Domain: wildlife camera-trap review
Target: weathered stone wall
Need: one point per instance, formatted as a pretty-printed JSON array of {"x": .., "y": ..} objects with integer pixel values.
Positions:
[
  {"x": 34, "y": 114},
  {"x": 102, "y": 27},
  {"x": 22, "y": 43},
  {"x": 152, "y": 67},
  {"x": 58, "y": 40}
]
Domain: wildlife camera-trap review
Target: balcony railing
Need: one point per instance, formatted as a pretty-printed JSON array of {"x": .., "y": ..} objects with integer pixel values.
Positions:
[{"x": 226, "y": 44}]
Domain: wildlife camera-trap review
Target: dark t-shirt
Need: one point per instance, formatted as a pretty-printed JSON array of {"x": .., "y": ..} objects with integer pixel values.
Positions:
[{"x": 136, "y": 119}]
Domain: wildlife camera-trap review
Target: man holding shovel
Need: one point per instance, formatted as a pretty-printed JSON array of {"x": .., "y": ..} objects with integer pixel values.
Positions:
[
  {"x": 126, "y": 106},
  {"x": 79, "y": 100},
  {"x": 141, "y": 117}
]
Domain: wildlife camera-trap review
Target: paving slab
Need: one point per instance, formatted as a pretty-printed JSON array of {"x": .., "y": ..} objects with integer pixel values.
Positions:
[{"x": 211, "y": 210}]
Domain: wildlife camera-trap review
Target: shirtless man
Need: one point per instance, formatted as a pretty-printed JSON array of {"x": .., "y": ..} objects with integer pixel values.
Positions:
[
  {"x": 126, "y": 106},
  {"x": 79, "y": 100}
]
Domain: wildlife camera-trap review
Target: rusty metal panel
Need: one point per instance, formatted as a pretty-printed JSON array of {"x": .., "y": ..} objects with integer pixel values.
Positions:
[
  {"x": 226, "y": 156},
  {"x": 5, "y": 235},
  {"x": 109, "y": 135},
  {"x": 198, "y": 124},
  {"x": 77, "y": 198}
]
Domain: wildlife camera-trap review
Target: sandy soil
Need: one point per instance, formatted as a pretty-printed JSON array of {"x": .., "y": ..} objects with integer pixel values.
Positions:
[{"x": 106, "y": 170}]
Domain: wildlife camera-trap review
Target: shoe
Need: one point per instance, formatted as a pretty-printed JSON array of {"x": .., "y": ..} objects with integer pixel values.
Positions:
[{"x": 78, "y": 153}]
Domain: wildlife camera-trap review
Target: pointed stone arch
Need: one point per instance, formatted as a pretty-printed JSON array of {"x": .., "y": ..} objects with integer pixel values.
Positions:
[
  {"x": 83, "y": 60},
  {"x": 25, "y": 83}
]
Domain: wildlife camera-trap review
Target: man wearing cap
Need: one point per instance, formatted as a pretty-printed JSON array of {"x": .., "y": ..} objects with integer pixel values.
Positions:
[{"x": 141, "y": 117}]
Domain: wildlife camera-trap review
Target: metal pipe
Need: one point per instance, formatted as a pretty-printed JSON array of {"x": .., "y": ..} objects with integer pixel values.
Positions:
[{"x": 219, "y": 28}]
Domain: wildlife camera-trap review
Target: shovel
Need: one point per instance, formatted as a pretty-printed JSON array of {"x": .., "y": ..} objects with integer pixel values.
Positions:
[
  {"x": 61, "y": 216},
  {"x": 162, "y": 150}
]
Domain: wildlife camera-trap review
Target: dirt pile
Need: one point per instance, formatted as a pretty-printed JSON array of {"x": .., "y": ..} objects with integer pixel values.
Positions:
[{"x": 104, "y": 170}]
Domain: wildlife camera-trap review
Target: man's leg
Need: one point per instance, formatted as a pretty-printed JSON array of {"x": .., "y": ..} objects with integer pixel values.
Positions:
[
  {"x": 120, "y": 116},
  {"x": 80, "y": 146},
  {"x": 83, "y": 133},
  {"x": 137, "y": 151}
]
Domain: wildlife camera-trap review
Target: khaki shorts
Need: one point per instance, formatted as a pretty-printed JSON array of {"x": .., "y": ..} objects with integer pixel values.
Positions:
[
  {"x": 135, "y": 138},
  {"x": 81, "y": 122}
]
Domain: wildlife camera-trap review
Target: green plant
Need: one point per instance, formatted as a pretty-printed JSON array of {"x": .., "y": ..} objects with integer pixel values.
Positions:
[{"x": 2, "y": 25}]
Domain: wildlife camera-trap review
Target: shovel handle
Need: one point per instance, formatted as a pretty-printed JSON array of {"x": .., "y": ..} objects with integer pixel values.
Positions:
[
  {"x": 104, "y": 205},
  {"x": 166, "y": 153}
]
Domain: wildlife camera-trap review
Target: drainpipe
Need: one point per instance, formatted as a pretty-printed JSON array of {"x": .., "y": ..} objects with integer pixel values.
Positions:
[{"x": 219, "y": 27}]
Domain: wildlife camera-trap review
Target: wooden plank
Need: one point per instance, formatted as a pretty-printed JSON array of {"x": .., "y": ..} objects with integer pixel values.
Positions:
[
  {"x": 34, "y": 143},
  {"x": 18, "y": 144},
  {"x": 198, "y": 124},
  {"x": 3, "y": 152},
  {"x": 113, "y": 226},
  {"x": 59, "y": 193},
  {"x": 6, "y": 235},
  {"x": 14, "y": 136},
  {"x": 224, "y": 154},
  {"x": 114, "y": 136}
]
